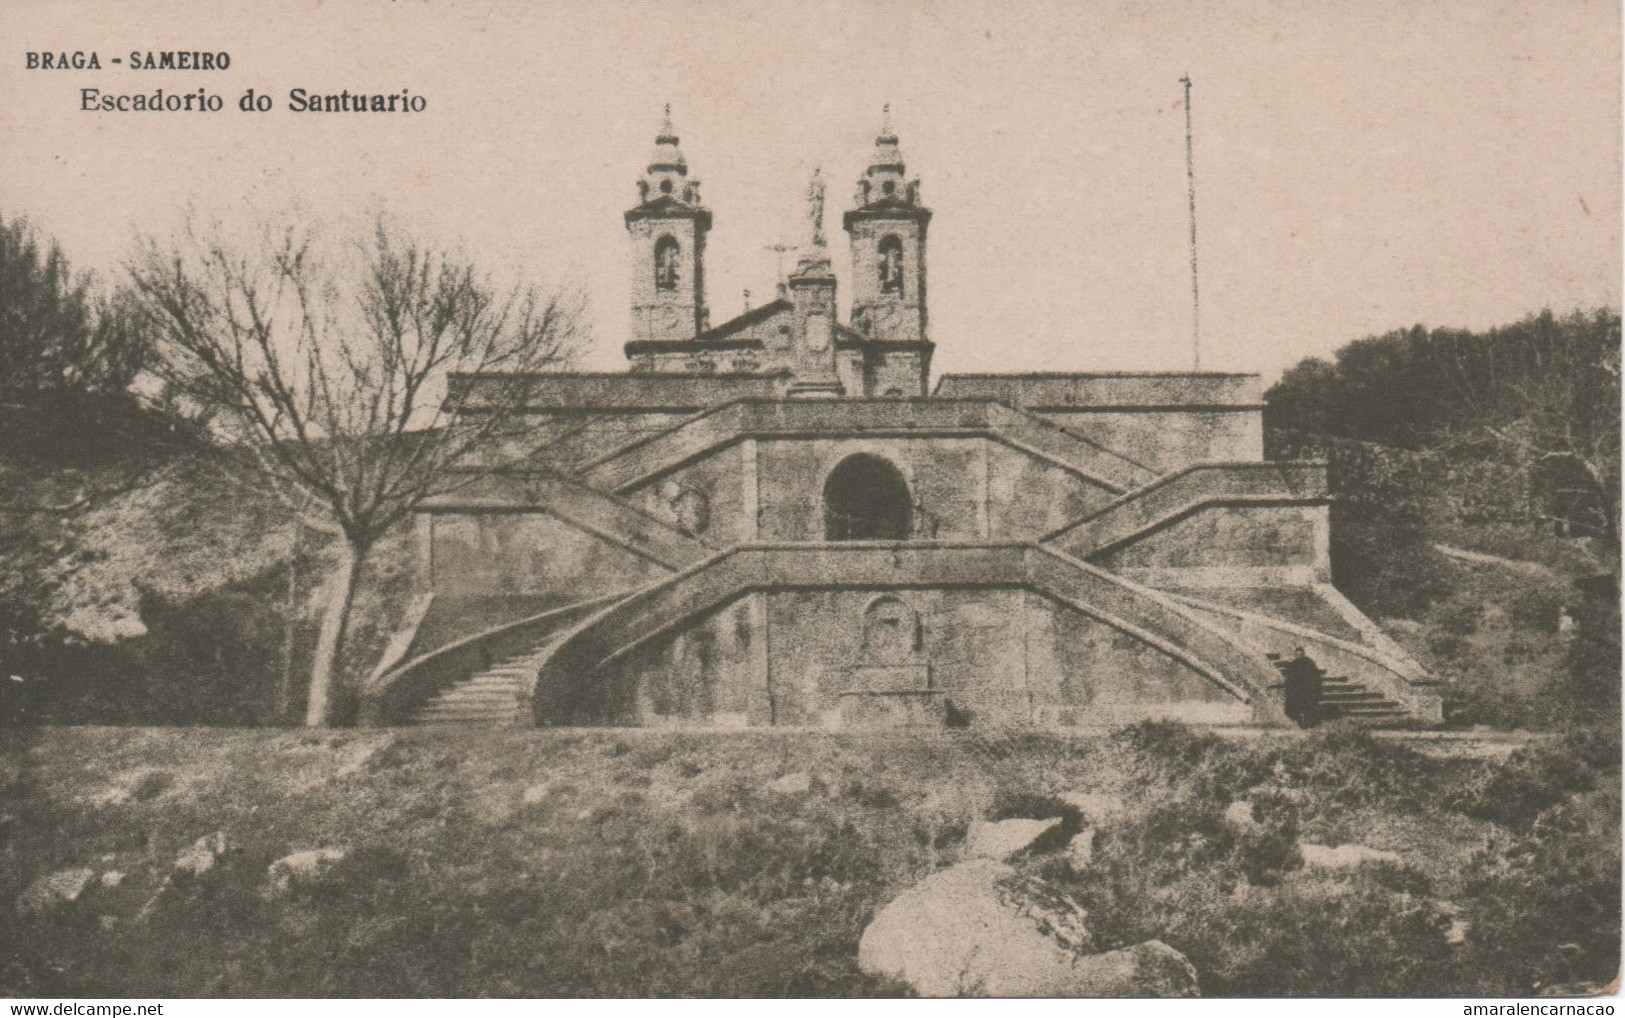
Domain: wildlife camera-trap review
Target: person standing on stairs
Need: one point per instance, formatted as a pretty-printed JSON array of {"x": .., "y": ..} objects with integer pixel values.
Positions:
[{"x": 1303, "y": 689}]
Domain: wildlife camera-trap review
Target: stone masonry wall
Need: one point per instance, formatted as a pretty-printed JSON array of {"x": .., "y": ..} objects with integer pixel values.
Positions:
[
  {"x": 1170, "y": 439},
  {"x": 1003, "y": 656},
  {"x": 1234, "y": 537},
  {"x": 497, "y": 554}
]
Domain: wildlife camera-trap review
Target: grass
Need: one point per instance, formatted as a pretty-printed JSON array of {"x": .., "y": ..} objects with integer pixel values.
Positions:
[{"x": 645, "y": 863}]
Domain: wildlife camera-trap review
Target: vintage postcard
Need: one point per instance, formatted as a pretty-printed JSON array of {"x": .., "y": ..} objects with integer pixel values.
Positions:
[{"x": 798, "y": 500}]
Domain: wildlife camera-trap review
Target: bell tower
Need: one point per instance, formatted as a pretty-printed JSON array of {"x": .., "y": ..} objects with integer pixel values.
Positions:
[
  {"x": 887, "y": 228},
  {"x": 668, "y": 228}
]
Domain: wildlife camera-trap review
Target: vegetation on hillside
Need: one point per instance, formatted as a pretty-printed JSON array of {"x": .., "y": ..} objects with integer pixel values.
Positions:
[
  {"x": 233, "y": 438},
  {"x": 1477, "y": 498},
  {"x": 327, "y": 374},
  {"x": 679, "y": 864}
]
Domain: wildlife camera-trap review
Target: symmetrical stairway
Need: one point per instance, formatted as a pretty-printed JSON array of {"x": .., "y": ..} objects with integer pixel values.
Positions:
[
  {"x": 567, "y": 689},
  {"x": 561, "y": 667},
  {"x": 496, "y": 696}
]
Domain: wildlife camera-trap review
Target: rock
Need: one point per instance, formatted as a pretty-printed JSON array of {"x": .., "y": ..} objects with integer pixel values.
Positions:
[
  {"x": 999, "y": 840},
  {"x": 112, "y": 878},
  {"x": 536, "y": 794},
  {"x": 1343, "y": 856},
  {"x": 55, "y": 890},
  {"x": 306, "y": 865},
  {"x": 358, "y": 754},
  {"x": 200, "y": 857},
  {"x": 1080, "y": 851},
  {"x": 961, "y": 932},
  {"x": 956, "y": 933},
  {"x": 1097, "y": 807},
  {"x": 791, "y": 784},
  {"x": 1456, "y": 932},
  {"x": 1150, "y": 969},
  {"x": 1239, "y": 815}
]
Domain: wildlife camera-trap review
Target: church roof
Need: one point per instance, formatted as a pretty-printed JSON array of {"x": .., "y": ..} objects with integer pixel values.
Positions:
[
  {"x": 733, "y": 335},
  {"x": 739, "y": 323}
]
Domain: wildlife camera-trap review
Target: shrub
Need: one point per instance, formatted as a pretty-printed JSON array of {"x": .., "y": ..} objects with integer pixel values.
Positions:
[
  {"x": 1230, "y": 901},
  {"x": 1269, "y": 849},
  {"x": 1538, "y": 777},
  {"x": 1545, "y": 903}
]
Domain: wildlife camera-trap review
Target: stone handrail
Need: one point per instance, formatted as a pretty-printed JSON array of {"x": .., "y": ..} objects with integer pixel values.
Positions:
[
  {"x": 1162, "y": 622},
  {"x": 613, "y": 519},
  {"x": 606, "y": 516},
  {"x": 621, "y": 467},
  {"x": 394, "y": 695},
  {"x": 1398, "y": 678},
  {"x": 1042, "y": 435},
  {"x": 568, "y": 690},
  {"x": 636, "y": 462},
  {"x": 1177, "y": 494}
]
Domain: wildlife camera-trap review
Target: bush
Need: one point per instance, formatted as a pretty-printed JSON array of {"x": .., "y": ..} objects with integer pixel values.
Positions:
[
  {"x": 1539, "y": 777},
  {"x": 1237, "y": 904},
  {"x": 1545, "y": 904}
]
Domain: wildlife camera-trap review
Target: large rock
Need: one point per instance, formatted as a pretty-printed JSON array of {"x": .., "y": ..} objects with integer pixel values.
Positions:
[
  {"x": 306, "y": 865},
  {"x": 200, "y": 856},
  {"x": 1002, "y": 839},
  {"x": 54, "y": 890},
  {"x": 960, "y": 932},
  {"x": 1343, "y": 857}
]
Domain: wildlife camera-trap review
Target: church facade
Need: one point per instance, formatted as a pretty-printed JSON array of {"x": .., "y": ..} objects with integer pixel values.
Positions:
[{"x": 779, "y": 520}]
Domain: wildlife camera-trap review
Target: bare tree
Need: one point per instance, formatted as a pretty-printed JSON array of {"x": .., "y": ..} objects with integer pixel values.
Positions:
[{"x": 329, "y": 380}]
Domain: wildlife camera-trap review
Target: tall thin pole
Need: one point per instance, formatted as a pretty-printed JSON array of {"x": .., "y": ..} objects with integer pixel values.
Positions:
[{"x": 1190, "y": 180}]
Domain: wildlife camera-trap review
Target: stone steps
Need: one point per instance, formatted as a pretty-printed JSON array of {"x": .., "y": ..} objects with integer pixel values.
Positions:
[
  {"x": 1343, "y": 698},
  {"x": 494, "y": 696}
]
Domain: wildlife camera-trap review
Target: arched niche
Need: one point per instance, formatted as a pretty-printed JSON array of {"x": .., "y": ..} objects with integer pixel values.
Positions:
[
  {"x": 891, "y": 632},
  {"x": 866, "y": 499},
  {"x": 668, "y": 262},
  {"x": 890, "y": 264}
]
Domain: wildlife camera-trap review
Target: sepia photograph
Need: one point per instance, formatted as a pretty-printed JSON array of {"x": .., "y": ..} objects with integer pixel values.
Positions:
[{"x": 724, "y": 499}]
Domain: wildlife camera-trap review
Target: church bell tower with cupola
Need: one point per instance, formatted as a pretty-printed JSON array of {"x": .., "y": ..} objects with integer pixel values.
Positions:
[
  {"x": 668, "y": 228},
  {"x": 887, "y": 228}
]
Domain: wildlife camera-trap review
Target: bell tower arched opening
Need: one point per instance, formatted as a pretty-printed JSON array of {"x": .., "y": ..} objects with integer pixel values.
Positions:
[{"x": 866, "y": 499}]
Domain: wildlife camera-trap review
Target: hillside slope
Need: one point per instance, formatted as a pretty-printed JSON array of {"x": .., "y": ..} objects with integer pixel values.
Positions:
[
  {"x": 183, "y": 599},
  {"x": 665, "y": 863},
  {"x": 1476, "y": 490}
]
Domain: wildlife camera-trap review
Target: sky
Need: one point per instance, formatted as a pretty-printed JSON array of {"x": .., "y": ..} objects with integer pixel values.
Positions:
[{"x": 1360, "y": 166}]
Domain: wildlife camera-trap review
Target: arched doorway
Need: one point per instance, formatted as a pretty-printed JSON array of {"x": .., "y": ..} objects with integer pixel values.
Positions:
[{"x": 866, "y": 499}]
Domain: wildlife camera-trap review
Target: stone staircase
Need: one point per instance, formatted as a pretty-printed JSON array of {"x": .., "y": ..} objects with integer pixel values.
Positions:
[
  {"x": 568, "y": 676},
  {"x": 499, "y": 695},
  {"x": 1175, "y": 495},
  {"x": 1345, "y": 699}
]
